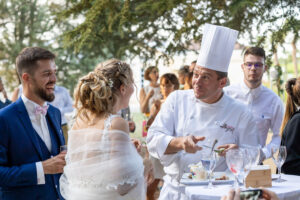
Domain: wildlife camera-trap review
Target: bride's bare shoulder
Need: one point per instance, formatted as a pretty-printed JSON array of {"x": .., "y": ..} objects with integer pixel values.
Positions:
[
  {"x": 118, "y": 123},
  {"x": 91, "y": 124}
]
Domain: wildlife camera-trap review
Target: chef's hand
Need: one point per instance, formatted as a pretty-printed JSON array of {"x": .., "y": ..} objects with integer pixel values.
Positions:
[
  {"x": 189, "y": 143},
  {"x": 186, "y": 143},
  {"x": 226, "y": 147}
]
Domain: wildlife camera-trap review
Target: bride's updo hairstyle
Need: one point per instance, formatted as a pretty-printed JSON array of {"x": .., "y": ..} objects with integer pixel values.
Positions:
[
  {"x": 97, "y": 92},
  {"x": 292, "y": 88}
]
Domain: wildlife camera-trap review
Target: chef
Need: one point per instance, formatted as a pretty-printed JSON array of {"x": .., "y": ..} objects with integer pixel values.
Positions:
[{"x": 190, "y": 120}]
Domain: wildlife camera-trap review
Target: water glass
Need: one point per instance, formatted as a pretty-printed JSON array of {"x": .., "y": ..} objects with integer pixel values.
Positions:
[
  {"x": 235, "y": 163},
  {"x": 279, "y": 156},
  {"x": 209, "y": 160}
]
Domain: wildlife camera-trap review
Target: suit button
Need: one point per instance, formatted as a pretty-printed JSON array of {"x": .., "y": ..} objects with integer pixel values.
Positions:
[{"x": 55, "y": 186}]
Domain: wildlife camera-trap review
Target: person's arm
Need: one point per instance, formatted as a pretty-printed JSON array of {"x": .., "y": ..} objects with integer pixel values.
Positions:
[
  {"x": 277, "y": 117},
  {"x": 186, "y": 143},
  {"x": 162, "y": 140},
  {"x": 15, "y": 95},
  {"x": 13, "y": 176},
  {"x": 153, "y": 112},
  {"x": 24, "y": 174},
  {"x": 291, "y": 139},
  {"x": 7, "y": 101},
  {"x": 226, "y": 147},
  {"x": 144, "y": 100},
  {"x": 121, "y": 124}
]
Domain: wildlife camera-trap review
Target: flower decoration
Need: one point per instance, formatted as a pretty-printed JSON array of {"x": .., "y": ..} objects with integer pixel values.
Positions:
[{"x": 110, "y": 83}]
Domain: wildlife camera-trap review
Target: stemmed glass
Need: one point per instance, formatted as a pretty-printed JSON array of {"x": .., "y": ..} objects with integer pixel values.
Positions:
[
  {"x": 209, "y": 160},
  {"x": 235, "y": 162},
  {"x": 251, "y": 158},
  {"x": 279, "y": 156}
]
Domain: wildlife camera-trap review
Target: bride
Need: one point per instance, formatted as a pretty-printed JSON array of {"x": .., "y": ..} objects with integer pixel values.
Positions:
[{"x": 102, "y": 163}]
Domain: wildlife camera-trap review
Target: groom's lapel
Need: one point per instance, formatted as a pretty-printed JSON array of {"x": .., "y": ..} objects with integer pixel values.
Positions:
[
  {"x": 56, "y": 125},
  {"x": 24, "y": 118}
]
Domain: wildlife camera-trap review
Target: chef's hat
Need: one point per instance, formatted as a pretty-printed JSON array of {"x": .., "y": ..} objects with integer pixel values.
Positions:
[{"x": 216, "y": 47}]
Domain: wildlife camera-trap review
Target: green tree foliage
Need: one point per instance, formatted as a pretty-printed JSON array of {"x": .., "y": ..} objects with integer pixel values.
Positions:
[
  {"x": 26, "y": 23},
  {"x": 22, "y": 24},
  {"x": 157, "y": 29}
]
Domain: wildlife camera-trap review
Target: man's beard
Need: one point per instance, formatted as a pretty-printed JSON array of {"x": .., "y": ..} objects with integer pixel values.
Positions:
[{"x": 43, "y": 94}]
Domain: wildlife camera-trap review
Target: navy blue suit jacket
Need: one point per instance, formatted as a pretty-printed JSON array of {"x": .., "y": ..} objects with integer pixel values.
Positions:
[{"x": 20, "y": 150}]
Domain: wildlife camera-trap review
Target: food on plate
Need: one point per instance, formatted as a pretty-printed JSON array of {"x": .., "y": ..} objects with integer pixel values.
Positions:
[
  {"x": 224, "y": 177},
  {"x": 198, "y": 172},
  {"x": 219, "y": 150}
]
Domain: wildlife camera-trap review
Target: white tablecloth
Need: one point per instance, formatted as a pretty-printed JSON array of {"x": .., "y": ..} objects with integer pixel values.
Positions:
[{"x": 288, "y": 190}]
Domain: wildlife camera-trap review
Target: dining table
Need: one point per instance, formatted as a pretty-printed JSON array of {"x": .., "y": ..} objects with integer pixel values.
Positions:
[{"x": 287, "y": 190}]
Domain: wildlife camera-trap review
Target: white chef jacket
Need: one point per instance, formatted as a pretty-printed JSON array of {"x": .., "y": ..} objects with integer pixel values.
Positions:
[
  {"x": 182, "y": 114},
  {"x": 267, "y": 109}
]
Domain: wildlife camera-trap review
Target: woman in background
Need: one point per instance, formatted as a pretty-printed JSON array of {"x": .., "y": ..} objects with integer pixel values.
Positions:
[
  {"x": 185, "y": 77},
  {"x": 290, "y": 128},
  {"x": 168, "y": 84},
  {"x": 150, "y": 93}
]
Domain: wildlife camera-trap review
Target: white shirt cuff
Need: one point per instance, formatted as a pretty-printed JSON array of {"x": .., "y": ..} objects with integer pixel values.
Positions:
[
  {"x": 166, "y": 159},
  {"x": 163, "y": 144},
  {"x": 40, "y": 173}
]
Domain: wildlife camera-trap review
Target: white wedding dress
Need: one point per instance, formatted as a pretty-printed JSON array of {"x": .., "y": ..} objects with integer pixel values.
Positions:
[{"x": 102, "y": 164}]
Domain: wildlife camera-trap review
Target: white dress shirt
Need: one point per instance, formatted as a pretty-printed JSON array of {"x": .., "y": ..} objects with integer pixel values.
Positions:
[
  {"x": 39, "y": 124},
  {"x": 182, "y": 114},
  {"x": 266, "y": 107},
  {"x": 62, "y": 101}
]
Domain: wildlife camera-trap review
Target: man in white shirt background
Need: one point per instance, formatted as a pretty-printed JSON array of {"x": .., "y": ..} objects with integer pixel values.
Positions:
[
  {"x": 190, "y": 118},
  {"x": 263, "y": 103},
  {"x": 30, "y": 133},
  {"x": 64, "y": 103}
]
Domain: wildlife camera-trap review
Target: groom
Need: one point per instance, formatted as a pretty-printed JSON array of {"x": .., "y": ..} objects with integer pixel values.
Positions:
[{"x": 30, "y": 133}]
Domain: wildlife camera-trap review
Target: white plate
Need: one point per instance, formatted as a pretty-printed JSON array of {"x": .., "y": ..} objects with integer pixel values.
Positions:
[{"x": 187, "y": 181}]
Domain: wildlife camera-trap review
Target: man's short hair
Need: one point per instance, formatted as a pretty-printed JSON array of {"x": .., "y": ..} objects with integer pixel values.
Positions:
[
  {"x": 256, "y": 51},
  {"x": 221, "y": 74},
  {"x": 27, "y": 59}
]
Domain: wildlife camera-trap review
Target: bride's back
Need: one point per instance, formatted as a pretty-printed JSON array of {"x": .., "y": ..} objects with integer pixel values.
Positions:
[
  {"x": 84, "y": 136},
  {"x": 101, "y": 159}
]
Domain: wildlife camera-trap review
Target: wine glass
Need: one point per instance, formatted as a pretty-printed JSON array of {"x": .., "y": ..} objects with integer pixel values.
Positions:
[
  {"x": 279, "y": 156},
  {"x": 209, "y": 160},
  {"x": 251, "y": 156},
  {"x": 63, "y": 148},
  {"x": 235, "y": 163}
]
